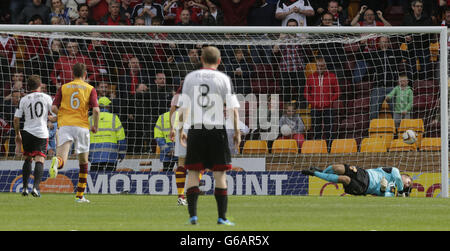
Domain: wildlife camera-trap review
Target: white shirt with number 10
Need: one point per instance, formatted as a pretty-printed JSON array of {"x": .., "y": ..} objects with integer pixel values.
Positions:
[{"x": 35, "y": 106}]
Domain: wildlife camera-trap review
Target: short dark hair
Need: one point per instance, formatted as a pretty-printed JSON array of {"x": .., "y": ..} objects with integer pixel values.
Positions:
[
  {"x": 34, "y": 82},
  {"x": 78, "y": 70},
  {"x": 82, "y": 5},
  {"x": 292, "y": 20}
]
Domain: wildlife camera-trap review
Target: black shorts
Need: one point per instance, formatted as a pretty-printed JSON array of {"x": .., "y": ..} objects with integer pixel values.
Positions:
[
  {"x": 359, "y": 180},
  {"x": 33, "y": 145},
  {"x": 208, "y": 149}
]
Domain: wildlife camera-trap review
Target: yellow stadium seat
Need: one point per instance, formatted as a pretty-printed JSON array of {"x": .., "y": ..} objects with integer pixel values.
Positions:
[
  {"x": 397, "y": 145},
  {"x": 411, "y": 124},
  {"x": 314, "y": 146},
  {"x": 344, "y": 146},
  {"x": 255, "y": 146},
  {"x": 382, "y": 125},
  {"x": 387, "y": 137},
  {"x": 373, "y": 145},
  {"x": 430, "y": 144},
  {"x": 158, "y": 150},
  {"x": 285, "y": 146}
]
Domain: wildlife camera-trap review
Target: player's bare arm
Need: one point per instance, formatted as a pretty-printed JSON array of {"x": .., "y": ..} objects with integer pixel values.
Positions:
[
  {"x": 17, "y": 130},
  {"x": 95, "y": 118},
  {"x": 237, "y": 132}
]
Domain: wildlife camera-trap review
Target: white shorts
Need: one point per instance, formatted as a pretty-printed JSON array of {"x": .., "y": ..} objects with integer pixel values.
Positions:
[
  {"x": 180, "y": 151},
  {"x": 78, "y": 135}
]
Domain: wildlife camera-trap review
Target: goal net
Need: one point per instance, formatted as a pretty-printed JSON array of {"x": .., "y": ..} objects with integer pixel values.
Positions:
[{"x": 309, "y": 97}]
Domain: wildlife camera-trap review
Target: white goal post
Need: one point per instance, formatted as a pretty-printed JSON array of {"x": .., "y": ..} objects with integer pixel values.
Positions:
[{"x": 321, "y": 34}]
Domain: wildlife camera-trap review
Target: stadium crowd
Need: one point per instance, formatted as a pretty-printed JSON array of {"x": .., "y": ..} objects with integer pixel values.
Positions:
[{"x": 141, "y": 78}]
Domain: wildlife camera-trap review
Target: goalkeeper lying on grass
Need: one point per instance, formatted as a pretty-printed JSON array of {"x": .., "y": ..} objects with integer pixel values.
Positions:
[{"x": 380, "y": 181}]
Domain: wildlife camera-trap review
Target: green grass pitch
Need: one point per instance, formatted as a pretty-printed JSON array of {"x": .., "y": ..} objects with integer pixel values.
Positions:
[{"x": 250, "y": 213}]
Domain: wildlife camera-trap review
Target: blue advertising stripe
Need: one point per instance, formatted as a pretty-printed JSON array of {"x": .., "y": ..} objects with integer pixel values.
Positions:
[{"x": 239, "y": 183}]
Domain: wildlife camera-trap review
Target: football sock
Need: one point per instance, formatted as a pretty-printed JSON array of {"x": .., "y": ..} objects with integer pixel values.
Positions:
[
  {"x": 180, "y": 179},
  {"x": 82, "y": 180},
  {"x": 192, "y": 194},
  {"x": 38, "y": 173},
  {"x": 327, "y": 176},
  {"x": 222, "y": 201},
  {"x": 329, "y": 170},
  {"x": 26, "y": 171}
]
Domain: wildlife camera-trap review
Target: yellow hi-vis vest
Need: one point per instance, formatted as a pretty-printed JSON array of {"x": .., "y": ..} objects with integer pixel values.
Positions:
[
  {"x": 162, "y": 127},
  {"x": 106, "y": 140}
]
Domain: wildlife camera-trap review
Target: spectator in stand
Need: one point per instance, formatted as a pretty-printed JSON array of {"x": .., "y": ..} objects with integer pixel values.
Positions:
[
  {"x": 289, "y": 59},
  {"x": 149, "y": 10},
  {"x": 114, "y": 16},
  {"x": 62, "y": 72},
  {"x": 7, "y": 110},
  {"x": 170, "y": 11},
  {"x": 50, "y": 59},
  {"x": 158, "y": 52},
  {"x": 161, "y": 96},
  {"x": 101, "y": 55},
  {"x": 214, "y": 15},
  {"x": 9, "y": 105},
  {"x": 30, "y": 11},
  {"x": 327, "y": 20},
  {"x": 135, "y": 105},
  {"x": 186, "y": 63},
  {"x": 126, "y": 9},
  {"x": 320, "y": 8},
  {"x": 235, "y": 12},
  {"x": 340, "y": 18},
  {"x": 84, "y": 16},
  {"x": 384, "y": 64},
  {"x": 8, "y": 48},
  {"x": 296, "y": 10},
  {"x": 322, "y": 89},
  {"x": 419, "y": 45},
  {"x": 262, "y": 14},
  {"x": 196, "y": 10},
  {"x": 105, "y": 89},
  {"x": 402, "y": 95},
  {"x": 446, "y": 21},
  {"x": 35, "y": 49},
  {"x": 185, "y": 18},
  {"x": 440, "y": 10},
  {"x": 58, "y": 9},
  {"x": 72, "y": 5},
  {"x": 15, "y": 8},
  {"x": 291, "y": 125},
  {"x": 239, "y": 71},
  {"x": 16, "y": 84},
  {"x": 98, "y": 8},
  {"x": 369, "y": 18}
]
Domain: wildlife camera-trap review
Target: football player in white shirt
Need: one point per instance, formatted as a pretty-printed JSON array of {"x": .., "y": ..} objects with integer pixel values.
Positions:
[
  {"x": 204, "y": 93},
  {"x": 35, "y": 107}
]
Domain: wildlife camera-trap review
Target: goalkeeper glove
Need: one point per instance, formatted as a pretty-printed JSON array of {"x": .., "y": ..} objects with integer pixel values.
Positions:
[{"x": 383, "y": 184}]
